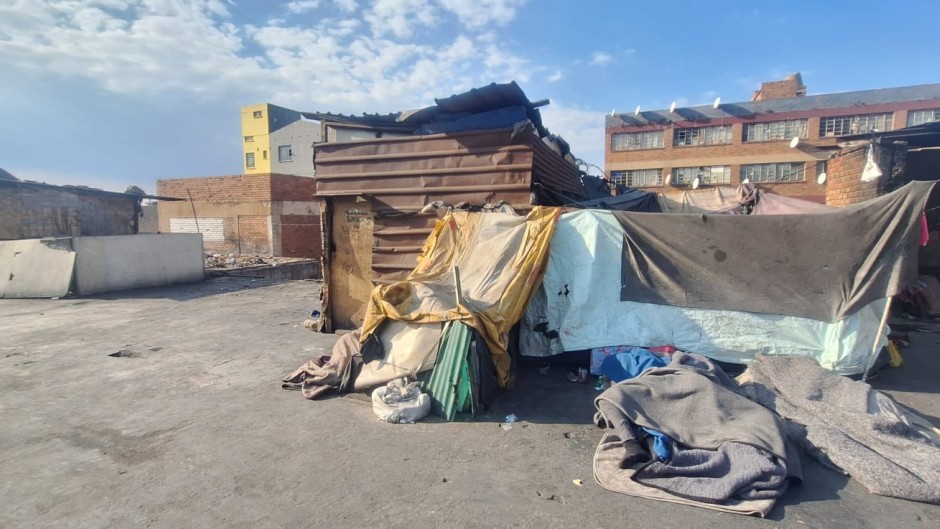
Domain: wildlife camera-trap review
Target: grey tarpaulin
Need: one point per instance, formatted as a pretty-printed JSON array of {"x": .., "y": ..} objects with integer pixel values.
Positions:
[{"x": 823, "y": 266}]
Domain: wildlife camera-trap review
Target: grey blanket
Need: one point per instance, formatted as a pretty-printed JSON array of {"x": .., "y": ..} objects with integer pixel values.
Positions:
[
  {"x": 846, "y": 423},
  {"x": 728, "y": 446}
]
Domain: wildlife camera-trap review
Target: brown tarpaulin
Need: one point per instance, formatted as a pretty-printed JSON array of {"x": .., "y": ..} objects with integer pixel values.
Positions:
[{"x": 823, "y": 266}]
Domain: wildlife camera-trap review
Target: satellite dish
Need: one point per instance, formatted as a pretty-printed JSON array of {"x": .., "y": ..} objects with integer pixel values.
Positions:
[
  {"x": 637, "y": 111},
  {"x": 612, "y": 112},
  {"x": 717, "y": 102},
  {"x": 695, "y": 183},
  {"x": 746, "y": 181},
  {"x": 794, "y": 142},
  {"x": 821, "y": 179},
  {"x": 672, "y": 107}
]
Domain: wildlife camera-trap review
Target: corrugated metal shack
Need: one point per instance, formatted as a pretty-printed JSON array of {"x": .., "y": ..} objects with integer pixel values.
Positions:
[{"x": 481, "y": 147}]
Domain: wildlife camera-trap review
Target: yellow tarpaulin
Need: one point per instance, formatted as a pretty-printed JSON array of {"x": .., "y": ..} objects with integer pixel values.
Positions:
[{"x": 501, "y": 260}]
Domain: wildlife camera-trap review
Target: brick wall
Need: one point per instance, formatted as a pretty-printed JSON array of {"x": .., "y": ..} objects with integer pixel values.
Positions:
[
  {"x": 270, "y": 214},
  {"x": 31, "y": 212},
  {"x": 229, "y": 188},
  {"x": 845, "y": 185},
  {"x": 300, "y": 236},
  {"x": 293, "y": 188},
  {"x": 739, "y": 152},
  {"x": 253, "y": 234}
]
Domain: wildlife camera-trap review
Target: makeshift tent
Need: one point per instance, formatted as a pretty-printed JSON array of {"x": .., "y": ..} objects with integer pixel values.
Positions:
[
  {"x": 728, "y": 287},
  {"x": 500, "y": 259}
]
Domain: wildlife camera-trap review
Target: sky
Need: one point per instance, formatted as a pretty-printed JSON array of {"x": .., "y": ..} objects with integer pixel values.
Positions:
[{"x": 113, "y": 93}]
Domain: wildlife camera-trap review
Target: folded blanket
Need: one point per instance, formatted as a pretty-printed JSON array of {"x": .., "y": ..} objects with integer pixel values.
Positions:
[{"x": 847, "y": 424}]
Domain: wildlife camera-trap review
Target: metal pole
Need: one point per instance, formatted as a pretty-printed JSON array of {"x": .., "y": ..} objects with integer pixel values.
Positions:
[{"x": 193, "y": 204}]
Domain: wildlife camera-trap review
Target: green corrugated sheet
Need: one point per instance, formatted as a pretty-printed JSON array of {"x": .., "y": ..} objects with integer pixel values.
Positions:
[{"x": 449, "y": 384}]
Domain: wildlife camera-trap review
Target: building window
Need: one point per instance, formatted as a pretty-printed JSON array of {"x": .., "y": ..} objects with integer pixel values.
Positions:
[
  {"x": 638, "y": 178},
  {"x": 264, "y": 155},
  {"x": 773, "y": 172},
  {"x": 716, "y": 135},
  {"x": 821, "y": 167},
  {"x": 284, "y": 153},
  {"x": 250, "y": 160},
  {"x": 843, "y": 125},
  {"x": 775, "y": 130},
  {"x": 249, "y": 138},
  {"x": 636, "y": 141},
  {"x": 256, "y": 114},
  {"x": 919, "y": 117},
  {"x": 708, "y": 176}
]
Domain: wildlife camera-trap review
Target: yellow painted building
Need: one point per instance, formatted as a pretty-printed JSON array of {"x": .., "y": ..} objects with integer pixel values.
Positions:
[
  {"x": 256, "y": 142},
  {"x": 277, "y": 140}
]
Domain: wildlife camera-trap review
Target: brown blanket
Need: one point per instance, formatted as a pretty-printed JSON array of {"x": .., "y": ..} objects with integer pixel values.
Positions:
[{"x": 324, "y": 374}]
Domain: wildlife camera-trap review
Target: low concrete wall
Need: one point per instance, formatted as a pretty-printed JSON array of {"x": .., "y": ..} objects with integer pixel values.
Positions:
[
  {"x": 281, "y": 272},
  {"x": 107, "y": 264},
  {"x": 36, "y": 268}
]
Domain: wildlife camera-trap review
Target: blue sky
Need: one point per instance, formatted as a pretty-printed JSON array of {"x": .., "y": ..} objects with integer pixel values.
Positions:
[{"x": 111, "y": 93}]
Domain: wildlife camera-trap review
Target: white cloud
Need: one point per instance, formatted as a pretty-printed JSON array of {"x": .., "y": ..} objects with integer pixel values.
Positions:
[
  {"x": 301, "y": 6},
  {"x": 169, "y": 48},
  {"x": 556, "y": 76},
  {"x": 482, "y": 13},
  {"x": 582, "y": 129},
  {"x": 347, "y": 6},
  {"x": 400, "y": 18},
  {"x": 599, "y": 58}
]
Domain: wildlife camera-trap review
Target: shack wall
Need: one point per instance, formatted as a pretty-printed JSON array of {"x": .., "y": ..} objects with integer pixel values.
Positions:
[{"x": 32, "y": 212}]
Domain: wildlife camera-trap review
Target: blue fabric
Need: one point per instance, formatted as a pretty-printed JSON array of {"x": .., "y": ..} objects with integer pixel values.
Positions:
[
  {"x": 623, "y": 366},
  {"x": 662, "y": 445},
  {"x": 630, "y": 364}
]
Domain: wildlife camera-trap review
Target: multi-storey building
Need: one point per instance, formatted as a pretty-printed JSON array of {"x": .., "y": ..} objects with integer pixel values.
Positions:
[
  {"x": 728, "y": 143},
  {"x": 277, "y": 140}
]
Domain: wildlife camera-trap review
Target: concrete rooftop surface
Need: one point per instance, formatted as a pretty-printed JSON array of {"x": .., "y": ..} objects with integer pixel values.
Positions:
[{"x": 188, "y": 427}]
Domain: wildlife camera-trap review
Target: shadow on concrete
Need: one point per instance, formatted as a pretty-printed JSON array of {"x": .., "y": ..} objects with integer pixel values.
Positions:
[
  {"x": 819, "y": 484},
  {"x": 187, "y": 291}
]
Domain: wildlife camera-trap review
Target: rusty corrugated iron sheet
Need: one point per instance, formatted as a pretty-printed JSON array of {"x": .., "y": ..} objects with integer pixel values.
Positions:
[{"x": 398, "y": 177}]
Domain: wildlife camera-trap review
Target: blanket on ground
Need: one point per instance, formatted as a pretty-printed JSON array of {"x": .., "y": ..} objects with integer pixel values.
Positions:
[
  {"x": 692, "y": 401},
  {"x": 846, "y": 423},
  {"x": 328, "y": 373}
]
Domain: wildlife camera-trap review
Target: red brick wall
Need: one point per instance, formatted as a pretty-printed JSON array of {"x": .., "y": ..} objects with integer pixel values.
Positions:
[
  {"x": 738, "y": 152},
  {"x": 253, "y": 234},
  {"x": 845, "y": 184},
  {"x": 293, "y": 188},
  {"x": 300, "y": 236},
  {"x": 229, "y": 188}
]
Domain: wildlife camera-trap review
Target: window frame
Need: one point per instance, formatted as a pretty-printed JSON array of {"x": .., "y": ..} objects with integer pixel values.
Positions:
[
  {"x": 257, "y": 114},
  {"x": 290, "y": 154},
  {"x": 694, "y": 133},
  {"x": 636, "y": 141},
  {"x": 250, "y": 160},
  {"x": 780, "y": 130},
  {"x": 912, "y": 113},
  {"x": 708, "y": 172},
  {"x": 842, "y": 125},
  {"x": 776, "y": 175},
  {"x": 627, "y": 177}
]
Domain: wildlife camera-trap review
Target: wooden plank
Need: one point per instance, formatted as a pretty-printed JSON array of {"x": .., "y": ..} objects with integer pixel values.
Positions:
[{"x": 350, "y": 261}]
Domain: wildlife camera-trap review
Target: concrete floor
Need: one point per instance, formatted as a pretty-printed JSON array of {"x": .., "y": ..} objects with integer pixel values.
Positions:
[{"x": 188, "y": 427}]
